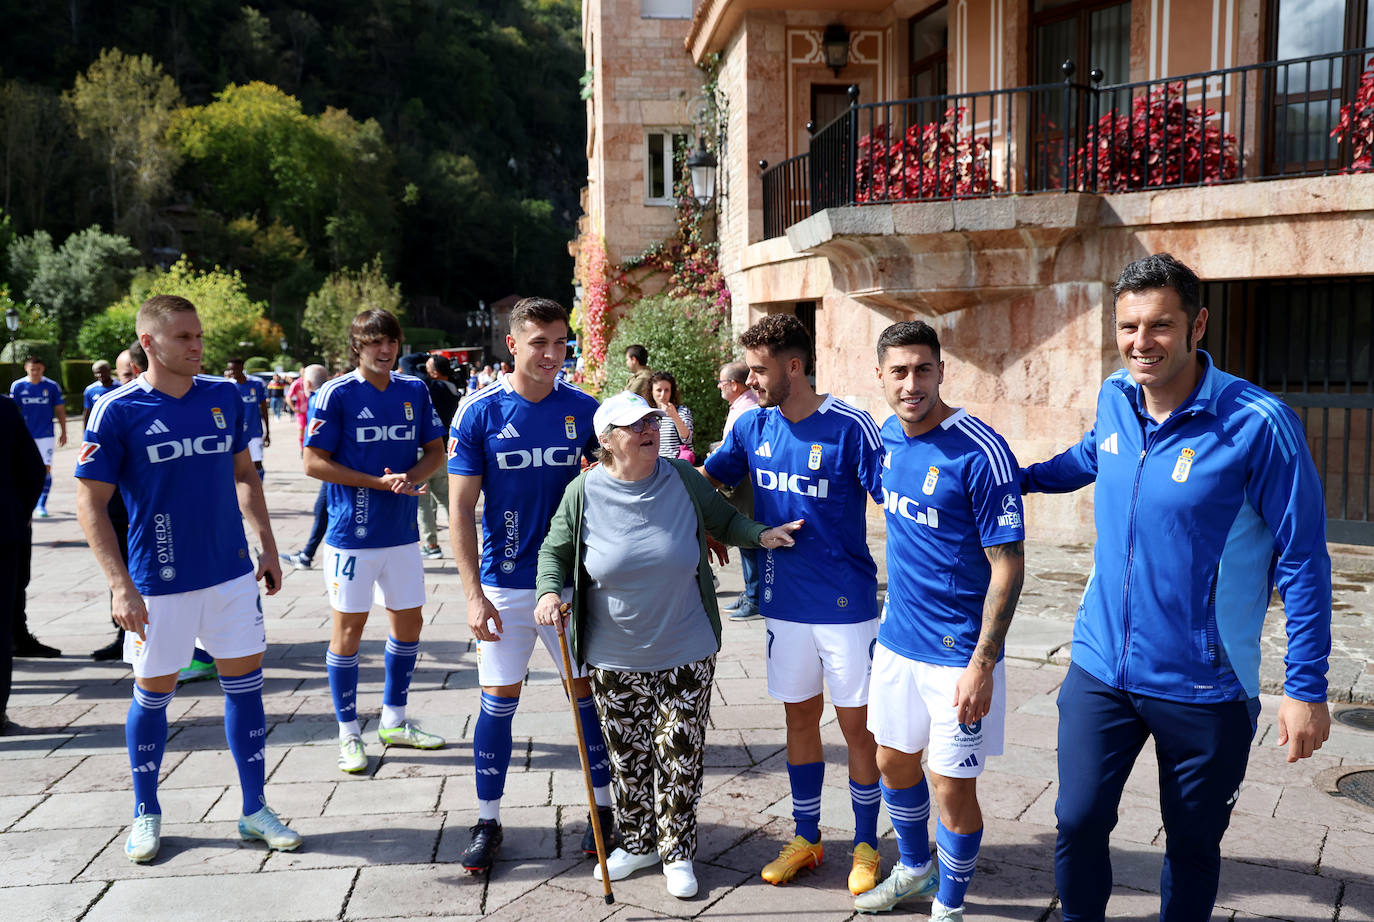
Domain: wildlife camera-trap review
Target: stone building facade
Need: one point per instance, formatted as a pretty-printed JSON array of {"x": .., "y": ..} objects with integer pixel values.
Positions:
[{"x": 1016, "y": 274}]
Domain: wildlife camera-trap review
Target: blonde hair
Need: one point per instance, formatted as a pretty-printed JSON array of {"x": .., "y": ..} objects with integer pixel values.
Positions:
[{"x": 153, "y": 312}]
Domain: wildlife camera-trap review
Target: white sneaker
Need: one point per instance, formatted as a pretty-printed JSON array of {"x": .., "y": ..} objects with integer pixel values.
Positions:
[
  {"x": 352, "y": 756},
  {"x": 942, "y": 913},
  {"x": 682, "y": 880},
  {"x": 620, "y": 864}
]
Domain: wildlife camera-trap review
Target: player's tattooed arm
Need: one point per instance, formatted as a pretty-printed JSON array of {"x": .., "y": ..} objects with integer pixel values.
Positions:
[{"x": 1004, "y": 591}]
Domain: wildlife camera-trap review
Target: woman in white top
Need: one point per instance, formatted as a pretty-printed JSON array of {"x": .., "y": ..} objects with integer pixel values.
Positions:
[{"x": 676, "y": 430}]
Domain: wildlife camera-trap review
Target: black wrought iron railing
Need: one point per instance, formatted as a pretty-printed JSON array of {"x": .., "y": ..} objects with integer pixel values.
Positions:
[{"x": 1300, "y": 117}]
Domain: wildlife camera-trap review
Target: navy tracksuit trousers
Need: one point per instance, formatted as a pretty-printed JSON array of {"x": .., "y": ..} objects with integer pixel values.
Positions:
[{"x": 1202, "y": 751}]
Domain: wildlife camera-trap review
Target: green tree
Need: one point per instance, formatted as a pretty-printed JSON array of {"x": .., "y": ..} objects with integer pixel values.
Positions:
[
  {"x": 123, "y": 105},
  {"x": 35, "y": 139},
  {"x": 109, "y": 332},
  {"x": 343, "y": 296},
  {"x": 71, "y": 282},
  {"x": 254, "y": 151},
  {"x": 33, "y": 322},
  {"x": 685, "y": 337},
  {"x": 228, "y": 315}
]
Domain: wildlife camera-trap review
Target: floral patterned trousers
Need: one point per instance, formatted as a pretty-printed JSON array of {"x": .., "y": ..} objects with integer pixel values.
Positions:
[{"x": 655, "y": 728}]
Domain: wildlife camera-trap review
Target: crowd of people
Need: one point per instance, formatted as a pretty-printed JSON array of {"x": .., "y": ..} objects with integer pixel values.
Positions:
[{"x": 598, "y": 526}]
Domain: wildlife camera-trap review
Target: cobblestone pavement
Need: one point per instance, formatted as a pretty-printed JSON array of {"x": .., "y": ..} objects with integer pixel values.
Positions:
[{"x": 383, "y": 844}]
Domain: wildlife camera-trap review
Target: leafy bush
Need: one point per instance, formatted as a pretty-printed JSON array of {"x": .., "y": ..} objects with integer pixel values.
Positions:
[
  {"x": 929, "y": 161},
  {"x": 227, "y": 314},
  {"x": 684, "y": 337},
  {"x": 1357, "y": 124},
  {"x": 75, "y": 374},
  {"x": 108, "y": 333},
  {"x": 256, "y": 363},
  {"x": 1160, "y": 143},
  {"x": 75, "y": 280},
  {"x": 49, "y": 352},
  {"x": 33, "y": 322}
]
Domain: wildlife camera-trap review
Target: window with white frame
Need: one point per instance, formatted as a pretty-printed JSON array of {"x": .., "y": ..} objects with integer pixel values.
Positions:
[
  {"x": 660, "y": 147},
  {"x": 665, "y": 9}
]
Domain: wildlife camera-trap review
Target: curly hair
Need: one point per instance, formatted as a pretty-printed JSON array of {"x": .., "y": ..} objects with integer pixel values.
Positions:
[{"x": 782, "y": 335}]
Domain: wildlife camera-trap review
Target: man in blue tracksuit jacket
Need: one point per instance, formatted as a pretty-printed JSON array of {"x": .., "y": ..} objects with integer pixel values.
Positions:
[{"x": 1206, "y": 498}]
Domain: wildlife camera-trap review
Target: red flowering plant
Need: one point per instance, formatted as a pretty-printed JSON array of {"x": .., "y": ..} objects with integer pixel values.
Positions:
[
  {"x": 593, "y": 320},
  {"x": 1161, "y": 142},
  {"x": 1356, "y": 124},
  {"x": 931, "y": 161}
]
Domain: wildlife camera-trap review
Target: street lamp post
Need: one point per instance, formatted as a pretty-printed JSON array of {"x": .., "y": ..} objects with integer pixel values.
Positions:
[{"x": 12, "y": 324}]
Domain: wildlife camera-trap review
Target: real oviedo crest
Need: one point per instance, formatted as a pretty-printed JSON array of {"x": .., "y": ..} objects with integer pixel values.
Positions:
[
  {"x": 219, "y": 418},
  {"x": 1183, "y": 465}
]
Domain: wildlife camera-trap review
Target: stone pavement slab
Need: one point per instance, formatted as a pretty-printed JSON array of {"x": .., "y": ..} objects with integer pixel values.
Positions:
[{"x": 384, "y": 843}]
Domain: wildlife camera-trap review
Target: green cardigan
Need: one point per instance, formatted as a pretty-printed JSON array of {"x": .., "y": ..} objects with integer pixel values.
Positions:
[{"x": 561, "y": 552}]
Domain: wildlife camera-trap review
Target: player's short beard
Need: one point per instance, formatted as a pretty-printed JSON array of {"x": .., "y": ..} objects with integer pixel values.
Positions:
[{"x": 777, "y": 394}]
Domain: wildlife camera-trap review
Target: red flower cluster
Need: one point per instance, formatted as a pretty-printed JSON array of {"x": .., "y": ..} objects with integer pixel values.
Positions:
[
  {"x": 1161, "y": 143},
  {"x": 596, "y": 301},
  {"x": 1357, "y": 124},
  {"x": 932, "y": 161}
]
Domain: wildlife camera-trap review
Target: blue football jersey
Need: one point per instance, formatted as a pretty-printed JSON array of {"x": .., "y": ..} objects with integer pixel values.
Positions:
[
  {"x": 94, "y": 391},
  {"x": 36, "y": 404},
  {"x": 173, "y": 461},
  {"x": 370, "y": 430},
  {"x": 252, "y": 392},
  {"x": 526, "y": 454},
  {"x": 947, "y": 495},
  {"x": 821, "y": 469}
]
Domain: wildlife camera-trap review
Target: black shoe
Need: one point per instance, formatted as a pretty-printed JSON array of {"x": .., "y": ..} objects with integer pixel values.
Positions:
[
  {"x": 28, "y": 645},
  {"x": 608, "y": 833},
  {"x": 111, "y": 651},
  {"x": 486, "y": 839}
]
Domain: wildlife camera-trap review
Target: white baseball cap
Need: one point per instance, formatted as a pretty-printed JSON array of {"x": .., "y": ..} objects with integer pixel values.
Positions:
[{"x": 621, "y": 410}]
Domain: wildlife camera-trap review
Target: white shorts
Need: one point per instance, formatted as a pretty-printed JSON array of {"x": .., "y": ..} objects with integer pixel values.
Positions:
[
  {"x": 45, "y": 448},
  {"x": 804, "y": 658},
  {"x": 506, "y": 661},
  {"x": 911, "y": 709},
  {"x": 393, "y": 577},
  {"x": 255, "y": 450},
  {"x": 225, "y": 619}
]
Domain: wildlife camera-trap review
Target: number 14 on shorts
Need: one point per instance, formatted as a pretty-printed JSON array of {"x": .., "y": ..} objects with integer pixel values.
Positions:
[{"x": 344, "y": 566}]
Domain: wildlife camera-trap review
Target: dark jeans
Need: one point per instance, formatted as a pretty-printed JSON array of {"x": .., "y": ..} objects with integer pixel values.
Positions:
[
  {"x": 312, "y": 544},
  {"x": 1202, "y": 751}
]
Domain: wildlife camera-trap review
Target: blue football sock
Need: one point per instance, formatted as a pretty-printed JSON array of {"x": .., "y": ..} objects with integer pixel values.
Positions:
[
  {"x": 866, "y": 799},
  {"x": 958, "y": 857},
  {"x": 343, "y": 685},
  {"x": 200, "y": 656},
  {"x": 145, "y": 732},
  {"x": 597, "y": 757},
  {"x": 909, "y": 810},
  {"x": 43, "y": 497},
  {"x": 491, "y": 745},
  {"x": 400, "y": 666},
  {"x": 806, "y": 798},
  {"x": 245, "y": 728}
]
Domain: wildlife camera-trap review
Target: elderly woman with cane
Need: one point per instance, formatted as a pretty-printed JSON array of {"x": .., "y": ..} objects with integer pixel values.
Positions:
[{"x": 632, "y": 532}]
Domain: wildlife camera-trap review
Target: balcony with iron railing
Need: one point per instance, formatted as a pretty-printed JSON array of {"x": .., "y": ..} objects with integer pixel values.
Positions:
[{"x": 1278, "y": 119}]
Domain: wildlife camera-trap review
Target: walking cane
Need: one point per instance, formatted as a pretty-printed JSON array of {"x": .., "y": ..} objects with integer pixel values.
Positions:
[{"x": 586, "y": 765}]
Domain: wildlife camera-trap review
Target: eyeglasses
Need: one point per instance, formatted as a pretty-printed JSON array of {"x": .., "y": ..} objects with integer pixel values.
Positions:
[
  {"x": 723, "y": 383},
  {"x": 639, "y": 425}
]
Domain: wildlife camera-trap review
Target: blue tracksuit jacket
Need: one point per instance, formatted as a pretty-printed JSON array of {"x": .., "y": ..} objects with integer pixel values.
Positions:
[{"x": 1196, "y": 522}]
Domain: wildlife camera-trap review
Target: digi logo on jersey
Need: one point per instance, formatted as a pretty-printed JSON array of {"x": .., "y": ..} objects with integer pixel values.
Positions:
[
  {"x": 897, "y": 504},
  {"x": 1011, "y": 515},
  {"x": 397, "y": 433},
  {"x": 554, "y": 456},
  {"x": 800, "y": 484},
  {"x": 183, "y": 448}
]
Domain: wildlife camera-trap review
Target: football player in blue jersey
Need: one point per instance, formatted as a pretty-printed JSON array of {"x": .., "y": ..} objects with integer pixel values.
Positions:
[
  {"x": 955, "y": 565},
  {"x": 519, "y": 442},
  {"x": 813, "y": 457},
  {"x": 104, "y": 383},
  {"x": 362, "y": 438},
  {"x": 1207, "y": 498},
  {"x": 174, "y": 444},
  {"x": 39, "y": 399},
  {"x": 253, "y": 392}
]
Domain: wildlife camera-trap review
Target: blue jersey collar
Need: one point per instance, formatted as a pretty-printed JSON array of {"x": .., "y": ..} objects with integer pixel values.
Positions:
[{"x": 1203, "y": 399}]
